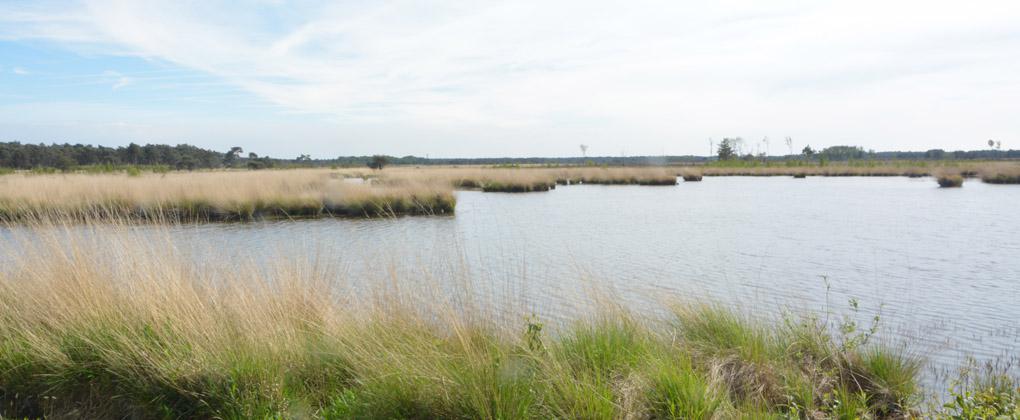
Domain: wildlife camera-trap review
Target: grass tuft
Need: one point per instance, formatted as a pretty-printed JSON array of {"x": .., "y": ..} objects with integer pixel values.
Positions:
[{"x": 950, "y": 180}]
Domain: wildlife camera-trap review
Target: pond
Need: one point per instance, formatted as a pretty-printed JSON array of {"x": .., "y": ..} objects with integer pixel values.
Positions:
[{"x": 940, "y": 266}]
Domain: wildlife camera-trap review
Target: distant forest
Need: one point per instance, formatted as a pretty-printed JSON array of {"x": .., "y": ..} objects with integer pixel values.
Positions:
[{"x": 15, "y": 155}]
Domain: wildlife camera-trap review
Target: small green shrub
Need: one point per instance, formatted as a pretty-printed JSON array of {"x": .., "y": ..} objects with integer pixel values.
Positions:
[{"x": 980, "y": 404}]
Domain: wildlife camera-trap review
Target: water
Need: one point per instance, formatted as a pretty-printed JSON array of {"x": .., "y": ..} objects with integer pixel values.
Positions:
[{"x": 940, "y": 266}]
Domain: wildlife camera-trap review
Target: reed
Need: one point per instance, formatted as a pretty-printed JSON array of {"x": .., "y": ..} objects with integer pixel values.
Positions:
[
  {"x": 135, "y": 328},
  {"x": 528, "y": 179},
  {"x": 1000, "y": 175},
  {"x": 214, "y": 196},
  {"x": 690, "y": 175},
  {"x": 912, "y": 169}
]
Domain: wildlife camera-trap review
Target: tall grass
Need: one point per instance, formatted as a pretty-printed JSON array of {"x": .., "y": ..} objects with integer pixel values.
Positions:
[
  {"x": 913, "y": 169},
  {"x": 1001, "y": 175},
  {"x": 107, "y": 322},
  {"x": 527, "y": 179},
  {"x": 220, "y": 195}
]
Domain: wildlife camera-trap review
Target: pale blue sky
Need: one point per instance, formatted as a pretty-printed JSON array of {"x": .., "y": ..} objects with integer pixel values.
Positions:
[{"x": 461, "y": 79}]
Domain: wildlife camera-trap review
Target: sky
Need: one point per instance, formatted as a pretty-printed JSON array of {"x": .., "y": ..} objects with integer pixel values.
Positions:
[{"x": 522, "y": 78}]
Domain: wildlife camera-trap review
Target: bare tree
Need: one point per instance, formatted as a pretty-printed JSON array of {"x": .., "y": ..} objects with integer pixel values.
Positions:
[
  {"x": 789, "y": 144},
  {"x": 584, "y": 150},
  {"x": 738, "y": 145}
]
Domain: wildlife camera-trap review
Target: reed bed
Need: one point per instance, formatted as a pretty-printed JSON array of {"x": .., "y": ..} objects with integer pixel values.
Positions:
[
  {"x": 618, "y": 176},
  {"x": 912, "y": 169},
  {"x": 529, "y": 179},
  {"x": 1001, "y": 174},
  {"x": 104, "y": 322},
  {"x": 691, "y": 175},
  {"x": 215, "y": 196}
]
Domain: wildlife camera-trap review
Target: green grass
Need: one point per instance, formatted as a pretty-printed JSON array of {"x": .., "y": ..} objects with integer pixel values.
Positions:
[{"x": 706, "y": 363}]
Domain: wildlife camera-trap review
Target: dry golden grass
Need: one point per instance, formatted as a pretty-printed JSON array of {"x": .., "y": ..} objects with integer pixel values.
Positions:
[
  {"x": 1000, "y": 174},
  {"x": 215, "y": 195},
  {"x": 247, "y": 195},
  {"x": 890, "y": 168},
  {"x": 531, "y": 178}
]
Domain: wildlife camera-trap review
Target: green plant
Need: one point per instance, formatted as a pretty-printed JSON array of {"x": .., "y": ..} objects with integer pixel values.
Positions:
[{"x": 980, "y": 404}]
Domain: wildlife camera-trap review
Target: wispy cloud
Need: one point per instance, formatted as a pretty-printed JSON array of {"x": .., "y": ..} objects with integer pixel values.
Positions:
[
  {"x": 19, "y": 71},
  {"x": 119, "y": 80},
  {"x": 661, "y": 68}
]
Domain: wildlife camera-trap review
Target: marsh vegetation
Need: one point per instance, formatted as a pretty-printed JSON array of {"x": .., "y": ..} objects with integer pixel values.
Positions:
[
  {"x": 133, "y": 328},
  {"x": 239, "y": 195},
  {"x": 107, "y": 320},
  {"x": 949, "y": 180},
  {"x": 907, "y": 168},
  {"x": 214, "y": 196}
]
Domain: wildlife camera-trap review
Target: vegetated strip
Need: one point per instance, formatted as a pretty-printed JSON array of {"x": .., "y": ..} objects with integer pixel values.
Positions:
[
  {"x": 130, "y": 328},
  {"x": 208, "y": 211}
]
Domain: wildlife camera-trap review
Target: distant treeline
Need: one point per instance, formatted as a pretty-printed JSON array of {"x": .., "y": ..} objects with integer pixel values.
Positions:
[
  {"x": 67, "y": 156},
  {"x": 16, "y": 155}
]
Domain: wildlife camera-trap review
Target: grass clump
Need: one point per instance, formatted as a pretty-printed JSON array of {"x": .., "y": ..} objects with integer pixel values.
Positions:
[
  {"x": 949, "y": 180},
  {"x": 516, "y": 187},
  {"x": 690, "y": 176}
]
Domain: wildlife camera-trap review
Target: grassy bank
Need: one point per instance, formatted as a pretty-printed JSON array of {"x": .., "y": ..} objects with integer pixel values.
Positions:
[
  {"x": 134, "y": 328},
  {"x": 1001, "y": 175},
  {"x": 237, "y": 195},
  {"x": 912, "y": 169},
  {"x": 529, "y": 179},
  {"x": 213, "y": 196}
]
